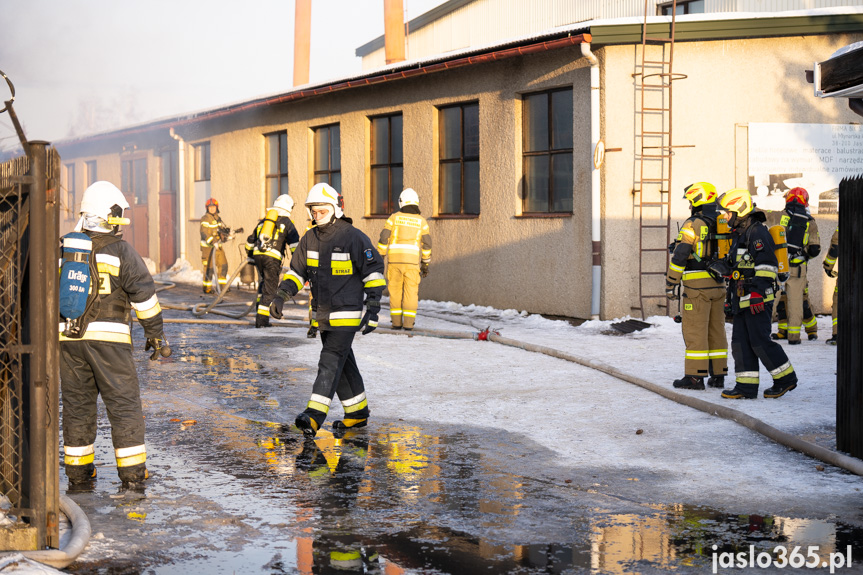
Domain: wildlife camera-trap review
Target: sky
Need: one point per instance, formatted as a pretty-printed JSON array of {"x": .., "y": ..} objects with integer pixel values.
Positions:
[{"x": 86, "y": 66}]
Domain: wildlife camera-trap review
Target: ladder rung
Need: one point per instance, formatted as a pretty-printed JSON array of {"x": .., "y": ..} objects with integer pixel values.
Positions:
[
  {"x": 662, "y": 62},
  {"x": 657, "y": 39},
  {"x": 656, "y": 109},
  {"x": 653, "y": 133},
  {"x": 654, "y": 227}
]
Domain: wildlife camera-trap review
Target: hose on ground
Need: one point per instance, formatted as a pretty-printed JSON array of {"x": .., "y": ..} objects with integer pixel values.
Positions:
[{"x": 61, "y": 558}]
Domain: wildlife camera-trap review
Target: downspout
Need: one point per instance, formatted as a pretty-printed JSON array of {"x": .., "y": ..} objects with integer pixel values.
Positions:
[
  {"x": 181, "y": 176},
  {"x": 595, "y": 184}
]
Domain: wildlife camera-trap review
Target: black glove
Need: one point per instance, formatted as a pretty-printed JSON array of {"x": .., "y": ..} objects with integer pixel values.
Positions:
[
  {"x": 782, "y": 277},
  {"x": 671, "y": 292},
  {"x": 424, "y": 269},
  {"x": 370, "y": 319},
  {"x": 671, "y": 247},
  {"x": 719, "y": 269},
  {"x": 813, "y": 250},
  {"x": 159, "y": 345},
  {"x": 278, "y": 303}
]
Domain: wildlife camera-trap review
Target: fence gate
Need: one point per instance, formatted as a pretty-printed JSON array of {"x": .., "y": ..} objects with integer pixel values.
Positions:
[
  {"x": 29, "y": 356},
  {"x": 849, "y": 373}
]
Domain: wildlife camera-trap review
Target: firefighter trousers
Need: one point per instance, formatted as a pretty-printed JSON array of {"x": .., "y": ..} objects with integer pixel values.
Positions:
[
  {"x": 338, "y": 374},
  {"x": 751, "y": 343},
  {"x": 796, "y": 312},
  {"x": 403, "y": 284},
  {"x": 835, "y": 311},
  {"x": 704, "y": 331},
  {"x": 89, "y": 369},
  {"x": 220, "y": 265},
  {"x": 268, "y": 274}
]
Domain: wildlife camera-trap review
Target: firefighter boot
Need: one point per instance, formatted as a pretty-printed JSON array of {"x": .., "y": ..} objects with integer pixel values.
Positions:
[
  {"x": 779, "y": 335},
  {"x": 81, "y": 475},
  {"x": 262, "y": 320},
  {"x": 689, "y": 382},
  {"x": 716, "y": 381},
  {"x": 307, "y": 424},
  {"x": 350, "y": 423},
  {"x": 741, "y": 391},
  {"x": 133, "y": 474},
  {"x": 812, "y": 336},
  {"x": 832, "y": 341},
  {"x": 780, "y": 389}
]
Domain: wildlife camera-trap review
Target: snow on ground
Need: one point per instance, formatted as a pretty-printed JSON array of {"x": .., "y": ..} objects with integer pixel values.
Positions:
[{"x": 590, "y": 419}]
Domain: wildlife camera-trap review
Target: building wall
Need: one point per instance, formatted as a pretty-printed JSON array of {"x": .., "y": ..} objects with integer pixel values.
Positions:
[
  {"x": 498, "y": 259},
  {"x": 730, "y": 83}
]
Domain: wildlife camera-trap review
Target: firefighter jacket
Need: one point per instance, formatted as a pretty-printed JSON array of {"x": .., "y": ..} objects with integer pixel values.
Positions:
[
  {"x": 833, "y": 253},
  {"x": 801, "y": 233},
  {"x": 754, "y": 267},
  {"x": 696, "y": 246},
  {"x": 212, "y": 229},
  {"x": 341, "y": 266},
  {"x": 124, "y": 284},
  {"x": 285, "y": 236},
  {"x": 405, "y": 238}
]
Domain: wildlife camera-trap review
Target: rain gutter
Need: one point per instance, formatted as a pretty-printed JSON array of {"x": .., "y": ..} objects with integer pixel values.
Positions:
[
  {"x": 487, "y": 57},
  {"x": 181, "y": 177},
  {"x": 595, "y": 182}
]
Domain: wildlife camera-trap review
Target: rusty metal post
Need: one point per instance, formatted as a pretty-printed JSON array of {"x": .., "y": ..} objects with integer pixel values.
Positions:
[{"x": 52, "y": 349}]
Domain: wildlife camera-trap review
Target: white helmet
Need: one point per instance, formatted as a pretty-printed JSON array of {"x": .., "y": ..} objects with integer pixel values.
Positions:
[
  {"x": 104, "y": 200},
  {"x": 325, "y": 194},
  {"x": 284, "y": 203},
  {"x": 408, "y": 197}
]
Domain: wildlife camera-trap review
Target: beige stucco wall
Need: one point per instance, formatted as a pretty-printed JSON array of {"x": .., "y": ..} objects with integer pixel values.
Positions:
[
  {"x": 729, "y": 84},
  {"x": 498, "y": 259}
]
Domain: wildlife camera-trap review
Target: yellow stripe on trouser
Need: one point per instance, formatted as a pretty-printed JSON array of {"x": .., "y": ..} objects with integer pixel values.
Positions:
[
  {"x": 130, "y": 456},
  {"x": 403, "y": 283},
  {"x": 704, "y": 332}
]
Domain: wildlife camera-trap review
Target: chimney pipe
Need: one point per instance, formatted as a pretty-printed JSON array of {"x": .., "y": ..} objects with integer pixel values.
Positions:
[
  {"x": 302, "y": 40},
  {"x": 394, "y": 31}
]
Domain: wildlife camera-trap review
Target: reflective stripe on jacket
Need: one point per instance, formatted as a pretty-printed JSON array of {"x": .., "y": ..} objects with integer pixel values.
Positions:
[{"x": 405, "y": 239}]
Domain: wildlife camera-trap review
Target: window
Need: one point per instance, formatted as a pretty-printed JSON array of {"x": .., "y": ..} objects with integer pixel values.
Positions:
[
  {"x": 547, "y": 152},
  {"x": 202, "y": 162},
  {"x": 134, "y": 179},
  {"x": 328, "y": 164},
  {"x": 69, "y": 184},
  {"x": 91, "y": 172},
  {"x": 459, "y": 160},
  {"x": 386, "y": 163},
  {"x": 170, "y": 169},
  {"x": 277, "y": 166},
  {"x": 691, "y": 7}
]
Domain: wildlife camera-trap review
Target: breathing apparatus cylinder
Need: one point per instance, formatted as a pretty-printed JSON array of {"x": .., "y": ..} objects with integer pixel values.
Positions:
[
  {"x": 778, "y": 234},
  {"x": 266, "y": 234}
]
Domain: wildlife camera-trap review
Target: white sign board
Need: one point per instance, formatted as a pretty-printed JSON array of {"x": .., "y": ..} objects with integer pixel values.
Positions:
[{"x": 812, "y": 156}]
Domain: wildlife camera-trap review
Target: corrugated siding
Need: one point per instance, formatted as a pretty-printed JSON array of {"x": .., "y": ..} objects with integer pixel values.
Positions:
[{"x": 483, "y": 22}]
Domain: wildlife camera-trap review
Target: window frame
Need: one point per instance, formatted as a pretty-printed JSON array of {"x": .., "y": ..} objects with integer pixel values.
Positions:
[
  {"x": 549, "y": 152},
  {"x": 329, "y": 171},
  {"x": 129, "y": 188},
  {"x": 281, "y": 176},
  {"x": 70, "y": 193},
  {"x": 199, "y": 154},
  {"x": 665, "y": 8},
  {"x": 92, "y": 173},
  {"x": 392, "y": 194},
  {"x": 461, "y": 160}
]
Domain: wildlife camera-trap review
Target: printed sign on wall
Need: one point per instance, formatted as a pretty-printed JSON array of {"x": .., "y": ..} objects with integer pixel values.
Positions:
[{"x": 812, "y": 156}]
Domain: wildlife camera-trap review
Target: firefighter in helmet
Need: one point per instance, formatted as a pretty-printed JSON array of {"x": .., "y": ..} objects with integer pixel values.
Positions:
[
  {"x": 345, "y": 273},
  {"x": 97, "y": 358},
  {"x": 266, "y": 247},
  {"x": 406, "y": 243},
  {"x": 703, "y": 292},
  {"x": 830, "y": 269},
  {"x": 804, "y": 243},
  {"x": 213, "y": 232},
  {"x": 753, "y": 268}
]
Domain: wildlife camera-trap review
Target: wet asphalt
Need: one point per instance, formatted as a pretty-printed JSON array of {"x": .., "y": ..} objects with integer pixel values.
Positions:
[{"x": 235, "y": 488}]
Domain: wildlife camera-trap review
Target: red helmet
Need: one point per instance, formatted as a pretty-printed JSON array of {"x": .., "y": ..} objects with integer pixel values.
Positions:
[
  {"x": 212, "y": 202},
  {"x": 799, "y": 195}
]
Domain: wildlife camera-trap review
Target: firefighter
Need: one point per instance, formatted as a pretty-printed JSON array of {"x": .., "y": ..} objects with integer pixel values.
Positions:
[
  {"x": 830, "y": 269},
  {"x": 810, "y": 322},
  {"x": 342, "y": 268},
  {"x": 753, "y": 267},
  {"x": 703, "y": 294},
  {"x": 99, "y": 362},
  {"x": 213, "y": 232},
  {"x": 406, "y": 243},
  {"x": 266, "y": 247},
  {"x": 804, "y": 243}
]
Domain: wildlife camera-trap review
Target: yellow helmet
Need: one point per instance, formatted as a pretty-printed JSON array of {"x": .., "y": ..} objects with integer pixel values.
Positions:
[
  {"x": 738, "y": 201},
  {"x": 700, "y": 193}
]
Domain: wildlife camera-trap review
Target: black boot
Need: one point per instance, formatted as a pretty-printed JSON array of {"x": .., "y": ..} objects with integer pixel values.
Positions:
[
  {"x": 689, "y": 382},
  {"x": 741, "y": 392},
  {"x": 779, "y": 335},
  {"x": 779, "y": 389},
  {"x": 307, "y": 424},
  {"x": 832, "y": 341},
  {"x": 716, "y": 381},
  {"x": 813, "y": 336},
  {"x": 262, "y": 320}
]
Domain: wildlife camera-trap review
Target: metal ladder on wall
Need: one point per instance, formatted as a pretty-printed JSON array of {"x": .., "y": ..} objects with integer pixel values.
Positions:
[{"x": 654, "y": 76}]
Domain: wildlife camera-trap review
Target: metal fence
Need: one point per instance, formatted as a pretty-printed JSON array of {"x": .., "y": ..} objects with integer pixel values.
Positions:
[
  {"x": 29, "y": 357},
  {"x": 849, "y": 382}
]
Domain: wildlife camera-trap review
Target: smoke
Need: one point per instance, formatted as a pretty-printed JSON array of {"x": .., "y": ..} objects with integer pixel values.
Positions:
[{"x": 96, "y": 114}]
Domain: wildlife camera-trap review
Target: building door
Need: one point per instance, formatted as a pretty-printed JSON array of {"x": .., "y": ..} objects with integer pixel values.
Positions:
[
  {"x": 134, "y": 186},
  {"x": 168, "y": 211}
]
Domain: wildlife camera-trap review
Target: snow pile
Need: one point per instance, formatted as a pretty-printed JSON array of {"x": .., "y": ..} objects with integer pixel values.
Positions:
[{"x": 181, "y": 272}]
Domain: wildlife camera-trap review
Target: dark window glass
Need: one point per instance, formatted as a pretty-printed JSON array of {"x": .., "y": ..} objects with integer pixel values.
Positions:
[
  {"x": 277, "y": 166},
  {"x": 202, "y": 162},
  {"x": 327, "y": 159},
  {"x": 459, "y": 160},
  {"x": 547, "y": 148},
  {"x": 386, "y": 163},
  {"x": 133, "y": 180},
  {"x": 169, "y": 171},
  {"x": 91, "y": 172},
  {"x": 70, "y": 190}
]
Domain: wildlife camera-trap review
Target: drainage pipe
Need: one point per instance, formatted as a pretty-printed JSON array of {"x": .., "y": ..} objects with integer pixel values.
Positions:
[
  {"x": 61, "y": 558},
  {"x": 181, "y": 183},
  {"x": 851, "y": 464},
  {"x": 595, "y": 182}
]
